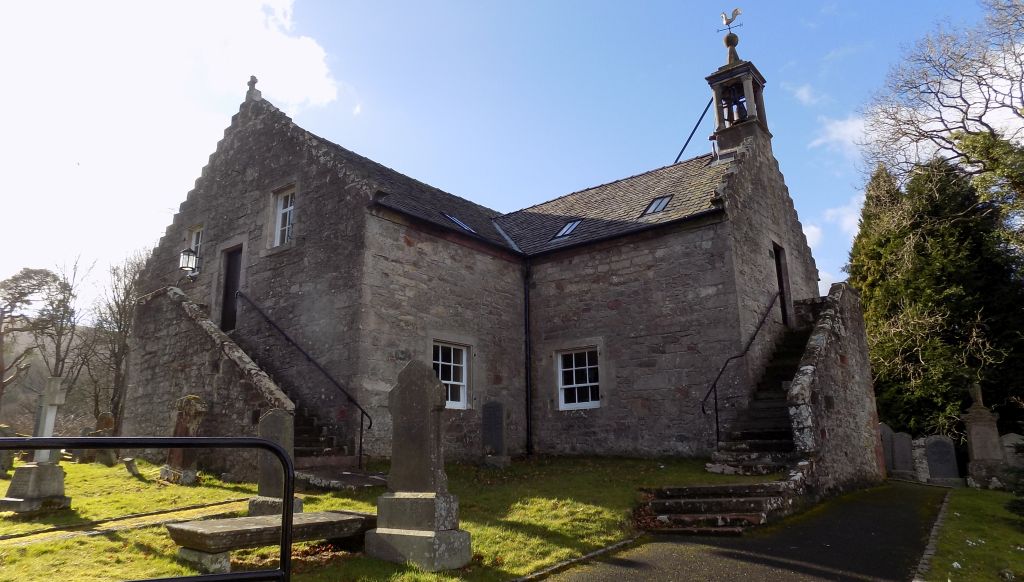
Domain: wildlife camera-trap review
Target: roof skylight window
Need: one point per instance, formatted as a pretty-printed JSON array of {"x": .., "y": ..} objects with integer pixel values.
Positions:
[
  {"x": 658, "y": 204},
  {"x": 568, "y": 228},
  {"x": 458, "y": 222}
]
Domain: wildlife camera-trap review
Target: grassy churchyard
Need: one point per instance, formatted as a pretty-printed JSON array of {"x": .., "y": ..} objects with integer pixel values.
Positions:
[{"x": 532, "y": 515}]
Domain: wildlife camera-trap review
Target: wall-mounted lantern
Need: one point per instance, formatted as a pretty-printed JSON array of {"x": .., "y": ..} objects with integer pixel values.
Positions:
[{"x": 189, "y": 262}]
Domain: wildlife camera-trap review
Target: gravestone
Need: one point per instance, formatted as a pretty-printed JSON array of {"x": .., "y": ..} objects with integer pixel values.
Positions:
[
  {"x": 6, "y": 455},
  {"x": 39, "y": 485},
  {"x": 417, "y": 519},
  {"x": 104, "y": 428},
  {"x": 279, "y": 426},
  {"x": 493, "y": 428},
  {"x": 984, "y": 450},
  {"x": 885, "y": 433},
  {"x": 181, "y": 463},
  {"x": 903, "y": 456},
  {"x": 942, "y": 467},
  {"x": 1010, "y": 442}
]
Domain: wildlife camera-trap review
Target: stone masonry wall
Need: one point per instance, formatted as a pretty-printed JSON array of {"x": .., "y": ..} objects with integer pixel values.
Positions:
[
  {"x": 832, "y": 400},
  {"x": 761, "y": 213},
  {"x": 421, "y": 285},
  {"x": 309, "y": 286},
  {"x": 660, "y": 309},
  {"x": 176, "y": 351}
]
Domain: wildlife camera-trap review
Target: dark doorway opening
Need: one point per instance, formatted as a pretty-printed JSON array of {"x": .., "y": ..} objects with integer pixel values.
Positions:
[
  {"x": 782, "y": 276},
  {"x": 232, "y": 278}
]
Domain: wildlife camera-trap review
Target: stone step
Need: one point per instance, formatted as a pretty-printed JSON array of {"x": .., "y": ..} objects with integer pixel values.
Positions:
[
  {"x": 715, "y": 505},
  {"x": 780, "y": 445},
  {"x": 314, "y": 451},
  {"x": 775, "y": 424},
  {"x": 700, "y": 531},
  {"x": 775, "y": 434},
  {"x": 746, "y": 468},
  {"x": 747, "y": 456},
  {"x": 766, "y": 489},
  {"x": 675, "y": 520}
]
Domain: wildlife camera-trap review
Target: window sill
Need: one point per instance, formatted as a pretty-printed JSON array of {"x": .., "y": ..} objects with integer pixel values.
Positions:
[
  {"x": 278, "y": 249},
  {"x": 584, "y": 406}
]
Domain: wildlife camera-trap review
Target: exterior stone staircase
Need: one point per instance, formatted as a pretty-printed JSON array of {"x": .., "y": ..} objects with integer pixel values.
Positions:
[
  {"x": 760, "y": 443},
  {"x": 713, "y": 509},
  {"x": 315, "y": 446}
]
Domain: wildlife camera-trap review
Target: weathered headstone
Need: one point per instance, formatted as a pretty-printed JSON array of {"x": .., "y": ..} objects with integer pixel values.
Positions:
[
  {"x": 941, "y": 455},
  {"x": 493, "y": 428},
  {"x": 104, "y": 428},
  {"x": 903, "y": 456},
  {"x": 54, "y": 395},
  {"x": 921, "y": 473},
  {"x": 984, "y": 450},
  {"x": 885, "y": 433},
  {"x": 279, "y": 426},
  {"x": 418, "y": 520},
  {"x": 1013, "y": 457},
  {"x": 39, "y": 486},
  {"x": 6, "y": 455},
  {"x": 181, "y": 463}
]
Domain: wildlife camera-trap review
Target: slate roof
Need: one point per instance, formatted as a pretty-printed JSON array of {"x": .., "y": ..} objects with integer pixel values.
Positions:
[
  {"x": 608, "y": 210},
  {"x": 617, "y": 208}
]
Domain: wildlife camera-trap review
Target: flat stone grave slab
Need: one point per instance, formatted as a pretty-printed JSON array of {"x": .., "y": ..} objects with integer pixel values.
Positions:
[{"x": 215, "y": 536}]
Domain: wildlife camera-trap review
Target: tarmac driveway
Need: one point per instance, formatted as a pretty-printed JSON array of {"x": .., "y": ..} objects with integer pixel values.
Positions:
[{"x": 876, "y": 534}]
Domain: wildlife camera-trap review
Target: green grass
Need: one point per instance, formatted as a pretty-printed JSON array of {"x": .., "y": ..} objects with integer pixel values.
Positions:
[
  {"x": 98, "y": 492},
  {"x": 979, "y": 535},
  {"x": 532, "y": 515}
]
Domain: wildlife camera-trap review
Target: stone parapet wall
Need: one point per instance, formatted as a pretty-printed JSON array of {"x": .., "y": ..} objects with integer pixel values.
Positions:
[
  {"x": 832, "y": 402},
  {"x": 176, "y": 351}
]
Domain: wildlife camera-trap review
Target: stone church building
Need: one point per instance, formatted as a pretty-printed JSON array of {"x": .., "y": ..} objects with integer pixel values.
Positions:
[{"x": 595, "y": 323}]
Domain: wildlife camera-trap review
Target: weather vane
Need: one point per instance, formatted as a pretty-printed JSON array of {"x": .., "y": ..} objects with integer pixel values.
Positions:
[{"x": 728, "y": 20}]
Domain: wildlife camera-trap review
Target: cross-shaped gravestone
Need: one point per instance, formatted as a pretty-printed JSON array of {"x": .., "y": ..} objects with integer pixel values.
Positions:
[
  {"x": 54, "y": 395},
  {"x": 417, "y": 519}
]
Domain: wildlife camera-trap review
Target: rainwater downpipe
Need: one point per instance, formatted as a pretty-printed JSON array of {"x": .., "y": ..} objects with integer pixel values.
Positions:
[{"x": 527, "y": 358}]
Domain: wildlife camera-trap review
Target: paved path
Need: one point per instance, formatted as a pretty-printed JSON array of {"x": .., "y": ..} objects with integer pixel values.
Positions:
[{"x": 878, "y": 534}]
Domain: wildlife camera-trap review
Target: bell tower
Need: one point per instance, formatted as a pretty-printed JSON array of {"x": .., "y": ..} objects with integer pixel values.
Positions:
[{"x": 738, "y": 90}]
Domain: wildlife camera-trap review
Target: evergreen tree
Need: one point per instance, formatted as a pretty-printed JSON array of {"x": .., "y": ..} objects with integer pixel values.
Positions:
[{"x": 942, "y": 301}]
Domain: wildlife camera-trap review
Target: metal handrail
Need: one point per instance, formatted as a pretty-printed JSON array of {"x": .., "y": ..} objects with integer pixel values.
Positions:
[
  {"x": 362, "y": 411},
  {"x": 282, "y": 573},
  {"x": 713, "y": 390}
]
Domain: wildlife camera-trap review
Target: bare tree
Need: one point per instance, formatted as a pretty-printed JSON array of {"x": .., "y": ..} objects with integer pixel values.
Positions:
[
  {"x": 959, "y": 94},
  {"x": 17, "y": 295},
  {"x": 114, "y": 315},
  {"x": 62, "y": 347}
]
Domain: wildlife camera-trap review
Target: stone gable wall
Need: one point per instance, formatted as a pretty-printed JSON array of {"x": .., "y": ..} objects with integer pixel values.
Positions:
[
  {"x": 832, "y": 399},
  {"x": 761, "y": 213},
  {"x": 310, "y": 287},
  {"x": 422, "y": 285},
  {"x": 660, "y": 308},
  {"x": 177, "y": 352}
]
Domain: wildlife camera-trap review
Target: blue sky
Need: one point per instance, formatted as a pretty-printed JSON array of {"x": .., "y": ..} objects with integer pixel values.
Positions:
[{"x": 507, "y": 104}]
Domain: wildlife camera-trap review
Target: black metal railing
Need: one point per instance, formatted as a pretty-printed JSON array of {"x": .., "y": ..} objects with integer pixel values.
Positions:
[
  {"x": 363, "y": 415},
  {"x": 713, "y": 390},
  {"x": 283, "y": 571}
]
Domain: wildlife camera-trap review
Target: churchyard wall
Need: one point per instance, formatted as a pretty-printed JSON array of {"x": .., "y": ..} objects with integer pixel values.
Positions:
[{"x": 659, "y": 309}]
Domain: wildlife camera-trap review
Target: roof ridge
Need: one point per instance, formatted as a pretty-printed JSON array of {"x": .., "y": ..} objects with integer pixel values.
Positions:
[{"x": 651, "y": 171}]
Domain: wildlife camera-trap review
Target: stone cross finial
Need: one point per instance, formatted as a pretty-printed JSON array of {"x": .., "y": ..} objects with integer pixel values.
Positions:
[
  {"x": 253, "y": 93},
  {"x": 252, "y": 82},
  {"x": 417, "y": 459},
  {"x": 976, "y": 394}
]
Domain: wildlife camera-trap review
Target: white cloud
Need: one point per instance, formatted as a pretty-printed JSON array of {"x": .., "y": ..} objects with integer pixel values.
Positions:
[
  {"x": 840, "y": 135},
  {"x": 117, "y": 107},
  {"x": 846, "y": 217},
  {"x": 825, "y": 280},
  {"x": 357, "y": 109},
  {"x": 813, "y": 234},
  {"x": 803, "y": 93}
]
